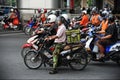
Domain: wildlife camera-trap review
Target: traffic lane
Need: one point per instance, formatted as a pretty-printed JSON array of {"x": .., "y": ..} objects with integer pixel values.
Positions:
[{"x": 12, "y": 65}]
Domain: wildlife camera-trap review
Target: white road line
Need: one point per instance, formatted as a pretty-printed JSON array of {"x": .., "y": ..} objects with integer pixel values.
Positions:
[{"x": 11, "y": 34}]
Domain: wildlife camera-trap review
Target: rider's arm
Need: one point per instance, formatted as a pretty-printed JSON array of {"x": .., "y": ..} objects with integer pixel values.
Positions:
[
  {"x": 106, "y": 37},
  {"x": 47, "y": 24}
]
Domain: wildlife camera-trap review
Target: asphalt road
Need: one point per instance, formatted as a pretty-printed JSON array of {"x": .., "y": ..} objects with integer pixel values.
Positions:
[{"x": 12, "y": 65}]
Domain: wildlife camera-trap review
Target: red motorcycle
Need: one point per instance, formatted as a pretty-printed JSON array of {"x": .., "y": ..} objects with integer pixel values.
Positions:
[{"x": 15, "y": 24}]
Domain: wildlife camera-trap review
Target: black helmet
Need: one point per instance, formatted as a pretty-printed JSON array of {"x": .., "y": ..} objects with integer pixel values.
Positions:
[{"x": 111, "y": 18}]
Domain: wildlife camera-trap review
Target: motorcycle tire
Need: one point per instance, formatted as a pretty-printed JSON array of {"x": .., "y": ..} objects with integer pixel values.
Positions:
[
  {"x": 1, "y": 27},
  {"x": 24, "y": 51},
  {"x": 79, "y": 61},
  {"x": 27, "y": 30},
  {"x": 32, "y": 60}
]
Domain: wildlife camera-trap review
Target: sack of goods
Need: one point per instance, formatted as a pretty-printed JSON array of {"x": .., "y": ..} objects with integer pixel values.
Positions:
[{"x": 73, "y": 36}]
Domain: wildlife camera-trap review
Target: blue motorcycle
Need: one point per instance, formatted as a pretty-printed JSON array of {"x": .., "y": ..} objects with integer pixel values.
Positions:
[
  {"x": 28, "y": 29},
  {"x": 112, "y": 52}
]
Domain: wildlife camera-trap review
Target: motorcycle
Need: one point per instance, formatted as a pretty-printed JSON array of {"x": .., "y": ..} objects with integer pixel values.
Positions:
[
  {"x": 33, "y": 42},
  {"x": 112, "y": 52},
  {"x": 15, "y": 25},
  {"x": 30, "y": 26},
  {"x": 72, "y": 56}
]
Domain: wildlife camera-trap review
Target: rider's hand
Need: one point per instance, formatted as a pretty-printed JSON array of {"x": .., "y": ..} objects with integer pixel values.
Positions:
[
  {"x": 102, "y": 38},
  {"x": 48, "y": 38}
]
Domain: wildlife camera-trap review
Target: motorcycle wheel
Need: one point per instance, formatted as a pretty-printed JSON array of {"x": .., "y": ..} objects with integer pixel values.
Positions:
[
  {"x": 24, "y": 51},
  {"x": 79, "y": 61},
  {"x": 27, "y": 30},
  {"x": 118, "y": 62},
  {"x": 1, "y": 27},
  {"x": 32, "y": 60},
  {"x": 31, "y": 32}
]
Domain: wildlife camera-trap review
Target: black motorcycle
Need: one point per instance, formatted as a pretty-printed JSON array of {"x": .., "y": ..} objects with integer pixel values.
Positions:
[{"x": 71, "y": 55}]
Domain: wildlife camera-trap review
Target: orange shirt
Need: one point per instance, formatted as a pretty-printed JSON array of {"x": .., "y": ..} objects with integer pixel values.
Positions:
[
  {"x": 104, "y": 25},
  {"x": 84, "y": 21},
  {"x": 13, "y": 15},
  {"x": 43, "y": 18},
  {"x": 95, "y": 20}
]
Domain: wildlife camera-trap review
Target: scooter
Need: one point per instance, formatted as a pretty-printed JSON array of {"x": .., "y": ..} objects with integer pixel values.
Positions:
[{"x": 112, "y": 52}]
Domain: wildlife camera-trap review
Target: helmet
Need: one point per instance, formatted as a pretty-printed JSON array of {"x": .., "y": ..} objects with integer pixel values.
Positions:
[
  {"x": 51, "y": 18},
  {"x": 111, "y": 18},
  {"x": 53, "y": 12},
  {"x": 42, "y": 10},
  {"x": 85, "y": 12},
  {"x": 11, "y": 10},
  {"x": 104, "y": 14},
  {"x": 94, "y": 10},
  {"x": 65, "y": 16},
  {"x": 39, "y": 10},
  {"x": 45, "y": 10},
  {"x": 61, "y": 19}
]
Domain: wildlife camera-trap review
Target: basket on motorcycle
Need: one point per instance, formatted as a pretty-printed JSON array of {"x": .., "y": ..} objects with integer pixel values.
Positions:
[{"x": 73, "y": 36}]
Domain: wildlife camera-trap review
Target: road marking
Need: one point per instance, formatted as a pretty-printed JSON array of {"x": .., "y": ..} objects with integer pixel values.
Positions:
[{"x": 10, "y": 34}]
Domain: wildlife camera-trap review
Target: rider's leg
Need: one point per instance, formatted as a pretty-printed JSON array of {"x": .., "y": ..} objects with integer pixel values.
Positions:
[
  {"x": 101, "y": 48},
  {"x": 55, "y": 58}
]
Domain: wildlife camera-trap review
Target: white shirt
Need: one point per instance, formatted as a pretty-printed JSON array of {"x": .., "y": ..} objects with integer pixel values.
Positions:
[{"x": 61, "y": 34}]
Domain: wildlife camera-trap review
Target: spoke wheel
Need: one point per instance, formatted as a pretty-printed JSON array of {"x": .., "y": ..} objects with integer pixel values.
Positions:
[
  {"x": 79, "y": 61},
  {"x": 24, "y": 51},
  {"x": 32, "y": 60},
  {"x": 27, "y": 30}
]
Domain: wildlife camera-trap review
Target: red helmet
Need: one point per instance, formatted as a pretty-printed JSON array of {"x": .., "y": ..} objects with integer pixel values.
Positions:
[
  {"x": 45, "y": 10},
  {"x": 39, "y": 10}
]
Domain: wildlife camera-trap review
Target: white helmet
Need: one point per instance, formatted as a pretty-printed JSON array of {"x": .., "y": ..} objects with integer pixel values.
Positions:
[
  {"x": 51, "y": 18},
  {"x": 65, "y": 16},
  {"x": 42, "y": 10},
  {"x": 11, "y": 10},
  {"x": 85, "y": 12}
]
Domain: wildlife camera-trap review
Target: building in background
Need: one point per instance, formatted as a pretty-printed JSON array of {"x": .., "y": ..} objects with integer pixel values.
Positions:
[
  {"x": 8, "y": 3},
  {"x": 71, "y": 4}
]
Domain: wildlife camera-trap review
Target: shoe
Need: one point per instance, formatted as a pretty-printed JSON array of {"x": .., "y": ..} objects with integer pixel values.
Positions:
[
  {"x": 102, "y": 59},
  {"x": 54, "y": 71}
]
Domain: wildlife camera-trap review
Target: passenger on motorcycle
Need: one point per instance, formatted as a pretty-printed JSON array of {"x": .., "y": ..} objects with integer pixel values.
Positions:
[
  {"x": 109, "y": 38},
  {"x": 104, "y": 24},
  {"x": 60, "y": 38}
]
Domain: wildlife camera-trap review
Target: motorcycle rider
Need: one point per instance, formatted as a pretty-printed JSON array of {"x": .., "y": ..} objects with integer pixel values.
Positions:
[
  {"x": 43, "y": 15},
  {"x": 109, "y": 38},
  {"x": 60, "y": 38},
  {"x": 85, "y": 19},
  {"x": 95, "y": 18},
  {"x": 12, "y": 15},
  {"x": 52, "y": 26},
  {"x": 104, "y": 24},
  {"x": 66, "y": 20}
]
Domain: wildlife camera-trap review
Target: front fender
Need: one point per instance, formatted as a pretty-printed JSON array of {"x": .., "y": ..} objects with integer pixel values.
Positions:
[{"x": 26, "y": 45}]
